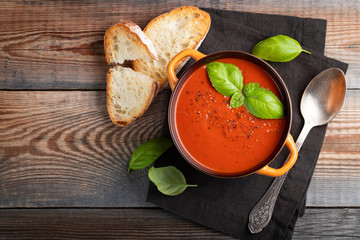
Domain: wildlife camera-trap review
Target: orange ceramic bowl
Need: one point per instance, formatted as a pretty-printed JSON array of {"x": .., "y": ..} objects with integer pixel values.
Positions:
[{"x": 217, "y": 139}]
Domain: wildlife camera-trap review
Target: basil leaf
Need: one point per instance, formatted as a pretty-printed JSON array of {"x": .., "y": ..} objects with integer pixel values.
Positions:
[
  {"x": 226, "y": 78},
  {"x": 262, "y": 103},
  {"x": 237, "y": 99},
  {"x": 148, "y": 152},
  {"x": 279, "y": 48},
  {"x": 169, "y": 180}
]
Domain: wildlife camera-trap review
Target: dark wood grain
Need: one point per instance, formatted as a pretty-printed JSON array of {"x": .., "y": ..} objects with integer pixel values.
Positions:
[
  {"x": 328, "y": 223},
  {"x": 63, "y": 40},
  {"x": 323, "y": 223},
  {"x": 61, "y": 149},
  {"x": 100, "y": 224}
]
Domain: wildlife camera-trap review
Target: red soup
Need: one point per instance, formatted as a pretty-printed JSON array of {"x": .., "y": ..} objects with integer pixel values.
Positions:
[{"x": 220, "y": 139}]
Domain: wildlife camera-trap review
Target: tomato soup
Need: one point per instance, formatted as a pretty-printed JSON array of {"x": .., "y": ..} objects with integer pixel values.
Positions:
[{"x": 220, "y": 139}]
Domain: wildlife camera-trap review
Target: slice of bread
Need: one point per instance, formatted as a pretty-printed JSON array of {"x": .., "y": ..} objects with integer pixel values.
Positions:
[
  {"x": 126, "y": 41},
  {"x": 129, "y": 94},
  {"x": 182, "y": 28}
]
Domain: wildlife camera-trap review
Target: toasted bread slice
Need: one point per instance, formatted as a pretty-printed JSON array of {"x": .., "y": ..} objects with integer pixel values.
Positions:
[
  {"x": 182, "y": 28},
  {"x": 129, "y": 94},
  {"x": 126, "y": 41}
]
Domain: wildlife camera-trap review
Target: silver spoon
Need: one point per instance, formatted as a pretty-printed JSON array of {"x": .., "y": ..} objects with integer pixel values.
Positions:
[{"x": 321, "y": 101}]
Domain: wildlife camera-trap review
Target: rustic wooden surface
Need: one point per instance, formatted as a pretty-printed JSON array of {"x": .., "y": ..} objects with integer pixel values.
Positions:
[
  {"x": 63, "y": 163},
  {"x": 317, "y": 223}
]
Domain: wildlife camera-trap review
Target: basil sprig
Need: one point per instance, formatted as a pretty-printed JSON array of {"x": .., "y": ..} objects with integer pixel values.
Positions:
[
  {"x": 148, "y": 152},
  {"x": 279, "y": 48},
  {"x": 168, "y": 180},
  {"x": 260, "y": 102}
]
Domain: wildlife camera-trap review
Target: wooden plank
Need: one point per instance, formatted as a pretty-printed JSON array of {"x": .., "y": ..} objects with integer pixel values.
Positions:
[
  {"x": 339, "y": 160},
  {"x": 63, "y": 41},
  {"x": 99, "y": 224},
  {"x": 328, "y": 223},
  {"x": 317, "y": 223},
  {"x": 61, "y": 149}
]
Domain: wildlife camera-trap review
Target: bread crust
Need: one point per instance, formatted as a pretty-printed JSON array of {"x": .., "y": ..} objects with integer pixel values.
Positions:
[
  {"x": 179, "y": 11},
  {"x": 133, "y": 29},
  {"x": 185, "y": 10}
]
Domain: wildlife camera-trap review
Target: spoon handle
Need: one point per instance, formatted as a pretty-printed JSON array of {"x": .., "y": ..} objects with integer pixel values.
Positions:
[{"x": 261, "y": 214}]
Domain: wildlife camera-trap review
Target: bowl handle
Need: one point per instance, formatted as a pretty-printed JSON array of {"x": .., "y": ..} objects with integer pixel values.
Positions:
[
  {"x": 174, "y": 62},
  {"x": 272, "y": 172}
]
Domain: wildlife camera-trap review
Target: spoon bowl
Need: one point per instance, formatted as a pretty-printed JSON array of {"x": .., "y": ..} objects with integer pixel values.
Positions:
[{"x": 323, "y": 97}]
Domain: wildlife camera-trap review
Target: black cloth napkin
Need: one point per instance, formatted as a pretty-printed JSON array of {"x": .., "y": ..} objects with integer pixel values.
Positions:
[{"x": 225, "y": 204}]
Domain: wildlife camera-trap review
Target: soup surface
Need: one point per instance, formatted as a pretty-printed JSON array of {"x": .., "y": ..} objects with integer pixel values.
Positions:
[{"x": 221, "y": 139}]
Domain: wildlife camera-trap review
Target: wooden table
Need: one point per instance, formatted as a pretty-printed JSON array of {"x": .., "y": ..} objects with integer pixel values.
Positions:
[{"x": 63, "y": 164}]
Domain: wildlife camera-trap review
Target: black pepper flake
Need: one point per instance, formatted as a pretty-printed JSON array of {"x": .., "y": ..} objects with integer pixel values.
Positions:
[{"x": 187, "y": 91}]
